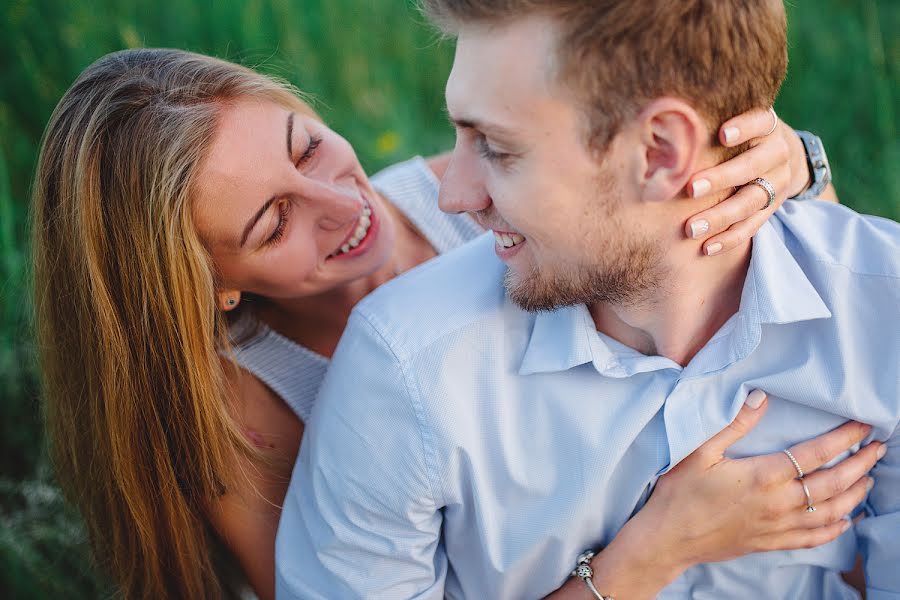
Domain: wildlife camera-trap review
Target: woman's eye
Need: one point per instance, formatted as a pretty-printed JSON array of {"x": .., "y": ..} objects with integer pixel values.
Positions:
[
  {"x": 314, "y": 142},
  {"x": 278, "y": 233}
]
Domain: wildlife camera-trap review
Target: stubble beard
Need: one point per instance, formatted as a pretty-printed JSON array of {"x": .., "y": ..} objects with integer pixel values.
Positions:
[
  {"x": 625, "y": 276},
  {"x": 625, "y": 270}
]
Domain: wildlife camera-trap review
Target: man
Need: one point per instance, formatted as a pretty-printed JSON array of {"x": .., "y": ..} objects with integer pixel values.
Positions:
[{"x": 476, "y": 452}]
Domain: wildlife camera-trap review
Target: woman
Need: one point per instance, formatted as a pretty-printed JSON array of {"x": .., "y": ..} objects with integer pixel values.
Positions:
[{"x": 200, "y": 238}]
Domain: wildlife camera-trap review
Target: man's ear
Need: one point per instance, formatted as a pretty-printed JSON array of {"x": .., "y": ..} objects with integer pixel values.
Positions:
[{"x": 672, "y": 137}]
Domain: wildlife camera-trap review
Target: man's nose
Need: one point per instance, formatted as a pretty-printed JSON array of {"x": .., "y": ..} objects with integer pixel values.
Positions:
[{"x": 462, "y": 187}]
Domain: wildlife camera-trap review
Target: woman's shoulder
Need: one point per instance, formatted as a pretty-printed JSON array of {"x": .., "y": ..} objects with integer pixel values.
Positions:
[{"x": 292, "y": 372}]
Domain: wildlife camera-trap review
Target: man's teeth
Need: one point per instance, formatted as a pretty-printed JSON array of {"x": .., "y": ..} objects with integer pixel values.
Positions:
[
  {"x": 508, "y": 240},
  {"x": 362, "y": 228}
]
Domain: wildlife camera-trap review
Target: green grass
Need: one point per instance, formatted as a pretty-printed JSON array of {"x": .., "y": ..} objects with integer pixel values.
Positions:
[{"x": 377, "y": 74}]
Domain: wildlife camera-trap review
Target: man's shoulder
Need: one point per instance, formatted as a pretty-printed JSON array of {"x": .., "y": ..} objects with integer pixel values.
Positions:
[
  {"x": 834, "y": 237},
  {"x": 448, "y": 293}
]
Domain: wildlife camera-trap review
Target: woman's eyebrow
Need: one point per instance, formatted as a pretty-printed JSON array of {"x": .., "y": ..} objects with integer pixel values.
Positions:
[
  {"x": 290, "y": 151},
  {"x": 290, "y": 136},
  {"x": 252, "y": 222}
]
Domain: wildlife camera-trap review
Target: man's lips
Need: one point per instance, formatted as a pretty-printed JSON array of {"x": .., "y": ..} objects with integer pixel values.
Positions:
[{"x": 508, "y": 239}]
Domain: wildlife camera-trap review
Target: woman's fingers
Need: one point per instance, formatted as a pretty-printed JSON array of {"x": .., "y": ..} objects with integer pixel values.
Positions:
[
  {"x": 834, "y": 509},
  {"x": 736, "y": 235},
  {"x": 805, "y": 538},
  {"x": 810, "y": 529},
  {"x": 816, "y": 452},
  {"x": 769, "y": 154},
  {"x": 737, "y": 218},
  {"x": 751, "y": 412},
  {"x": 828, "y": 483},
  {"x": 746, "y": 126}
]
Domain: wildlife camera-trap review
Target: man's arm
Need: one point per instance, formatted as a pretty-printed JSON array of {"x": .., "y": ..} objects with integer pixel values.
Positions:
[
  {"x": 360, "y": 519},
  {"x": 879, "y": 533}
]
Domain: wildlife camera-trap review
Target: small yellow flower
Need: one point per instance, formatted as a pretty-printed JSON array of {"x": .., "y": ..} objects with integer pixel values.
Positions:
[{"x": 387, "y": 143}]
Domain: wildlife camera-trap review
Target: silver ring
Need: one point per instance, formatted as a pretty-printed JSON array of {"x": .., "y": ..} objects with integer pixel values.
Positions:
[
  {"x": 775, "y": 124},
  {"x": 768, "y": 187},
  {"x": 796, "y": 466},
  {"x": 809, "y": 504}
]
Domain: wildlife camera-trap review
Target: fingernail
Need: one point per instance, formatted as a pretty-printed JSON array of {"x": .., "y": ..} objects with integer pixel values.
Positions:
[
  {"x": 845, "y": 526},
  {"x": 700, "y": 187},
  {"x": 870, "y": 484},
  {"x": 699, "y": 227},
  {"x": 755, "y": 399},
  {"x": 731, "y": 134},
  {"x": 713, "y": 248},
  {"x": 881, "y": 452}
]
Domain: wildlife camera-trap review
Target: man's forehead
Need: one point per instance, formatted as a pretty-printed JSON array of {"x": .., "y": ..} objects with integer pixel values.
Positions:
[{"x": 502, "y": 72}]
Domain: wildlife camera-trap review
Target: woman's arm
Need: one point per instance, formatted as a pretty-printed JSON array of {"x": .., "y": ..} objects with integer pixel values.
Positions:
[
  {"x": 246, "y": 515},
  {"x": 711, "y": 508}
]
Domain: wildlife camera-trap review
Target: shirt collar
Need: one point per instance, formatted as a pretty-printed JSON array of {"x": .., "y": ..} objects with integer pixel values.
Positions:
[
  {"x": 560, "y": 340},
  {"x": 776, "y": 291}
]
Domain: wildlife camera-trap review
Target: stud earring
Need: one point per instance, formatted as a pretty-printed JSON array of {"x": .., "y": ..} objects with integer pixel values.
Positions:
[{"x": 232, "y": 302}]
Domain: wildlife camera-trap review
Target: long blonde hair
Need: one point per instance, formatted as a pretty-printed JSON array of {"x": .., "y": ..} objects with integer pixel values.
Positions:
[{"x": 130, "y": 337}]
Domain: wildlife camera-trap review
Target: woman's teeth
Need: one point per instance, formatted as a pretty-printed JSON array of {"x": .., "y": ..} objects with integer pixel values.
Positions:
[
  {"x": 508, "y": 240},
  {"x": 362, "y": 228}
]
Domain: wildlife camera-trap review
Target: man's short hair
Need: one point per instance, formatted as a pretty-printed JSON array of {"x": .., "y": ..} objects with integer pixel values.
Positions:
[{"x": 722, "y": 56}]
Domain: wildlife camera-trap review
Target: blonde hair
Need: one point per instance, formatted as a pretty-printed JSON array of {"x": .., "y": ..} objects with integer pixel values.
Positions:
[{"x": 129, "y": 334}]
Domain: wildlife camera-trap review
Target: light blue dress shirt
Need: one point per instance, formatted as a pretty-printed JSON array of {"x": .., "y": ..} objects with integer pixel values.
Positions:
[{"x": 462, "y": 447}]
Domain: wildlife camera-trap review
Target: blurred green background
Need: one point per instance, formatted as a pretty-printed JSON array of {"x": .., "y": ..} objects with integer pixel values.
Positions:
[{"x": 376, "y": 72}]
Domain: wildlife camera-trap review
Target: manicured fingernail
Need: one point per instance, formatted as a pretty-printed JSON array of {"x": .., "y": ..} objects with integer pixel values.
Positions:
[
  {"x": 881, "y": 452},
  {"x": 731, "y": 134},
  {"x": 699, "y": 227},
  {"x": 700, "y": 187},
  {"x": 755, "y": 399},
  {"x": 870, "y": 483},
  {"x": 845, "y": 526},
  {"x": 713, "y": 248}
]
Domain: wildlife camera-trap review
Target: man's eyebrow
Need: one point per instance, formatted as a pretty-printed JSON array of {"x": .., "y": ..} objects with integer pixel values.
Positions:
[{"x": 483, "y": 127}]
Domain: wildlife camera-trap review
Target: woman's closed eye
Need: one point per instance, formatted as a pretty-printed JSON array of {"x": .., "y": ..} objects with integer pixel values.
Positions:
[
  {"x": 284, "y": 209},
  {"x": 314, "y": 142}
]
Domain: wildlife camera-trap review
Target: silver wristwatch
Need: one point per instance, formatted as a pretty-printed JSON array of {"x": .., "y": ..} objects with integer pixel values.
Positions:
[
  {"x": 584, "y": 572},
  {"x": 819, "y": 170}
]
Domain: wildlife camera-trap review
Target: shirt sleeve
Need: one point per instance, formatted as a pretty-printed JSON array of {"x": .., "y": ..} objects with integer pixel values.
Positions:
[
  {"x": 880, "y": 531},
  {"x": 360, "y": 518}
]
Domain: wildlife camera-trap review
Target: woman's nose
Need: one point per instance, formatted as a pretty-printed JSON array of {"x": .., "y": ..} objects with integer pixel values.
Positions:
[{"x": 337, "y": 206}]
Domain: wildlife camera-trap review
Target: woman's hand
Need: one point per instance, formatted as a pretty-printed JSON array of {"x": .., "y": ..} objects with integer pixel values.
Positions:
[
  {"x": 778, "y": 157},
  {"x": 711, "y": 508}
]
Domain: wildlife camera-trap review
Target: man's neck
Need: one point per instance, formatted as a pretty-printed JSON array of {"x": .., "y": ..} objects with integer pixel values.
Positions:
[{"x": 696, "y": 296}]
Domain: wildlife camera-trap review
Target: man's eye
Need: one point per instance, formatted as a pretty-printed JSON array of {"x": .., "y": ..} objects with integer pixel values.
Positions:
[{"x": 489, "y": 153}]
